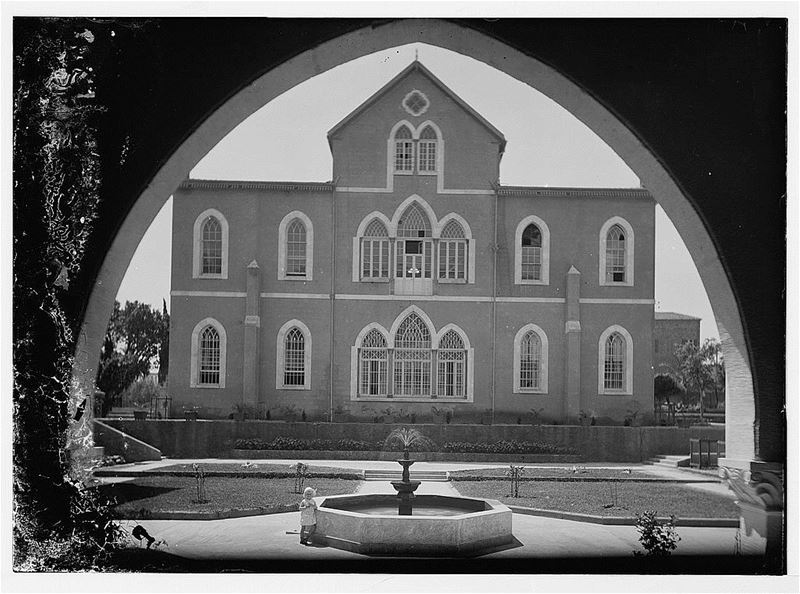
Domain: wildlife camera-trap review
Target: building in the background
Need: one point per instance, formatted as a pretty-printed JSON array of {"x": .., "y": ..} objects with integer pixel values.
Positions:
[
  {"x": 669, "y": 331},
  {"x": 413, "y": 281}
]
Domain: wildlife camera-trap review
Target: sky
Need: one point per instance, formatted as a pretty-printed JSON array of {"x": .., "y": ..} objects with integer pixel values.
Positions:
[{"x": 546, "y": 146}]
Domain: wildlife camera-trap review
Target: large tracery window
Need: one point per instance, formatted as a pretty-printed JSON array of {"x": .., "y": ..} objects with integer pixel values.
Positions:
[
  {"x": 373, "y": 365},
  {"x": 531, "y": 253},
  {"x": 451, "y": 366},
  {"x": 428, "y": 142},
  {"x": 375, "y": 251},
  {"x": 403, "y": 150},
  {"x": 615, "y": 361},
  {"x": 412, "y": 358},
  {"x": 452, "y": 253},
  {"x": 208, "y": 355}
]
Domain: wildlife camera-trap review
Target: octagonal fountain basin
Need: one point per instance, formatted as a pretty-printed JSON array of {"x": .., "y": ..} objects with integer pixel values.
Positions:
[{"x": 438, "y": 526}]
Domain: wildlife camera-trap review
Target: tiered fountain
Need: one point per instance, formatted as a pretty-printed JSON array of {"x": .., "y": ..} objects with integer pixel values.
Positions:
[{"x": 422, "y": 525}]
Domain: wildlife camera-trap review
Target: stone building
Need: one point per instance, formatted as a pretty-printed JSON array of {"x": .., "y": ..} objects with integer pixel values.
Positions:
[
  {"x": 413, "y": 280},
  {"x": 670, "y": 330}
]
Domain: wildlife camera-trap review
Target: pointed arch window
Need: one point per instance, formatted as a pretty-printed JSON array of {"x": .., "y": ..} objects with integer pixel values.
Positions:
[
  {"x": 293, "y": 362},
  {"x": 616, "y": 252},
  {"x": 414, "y": 246},
  {"x": 212, "y": 247},
  {"x": 428, "y": 150},
  {"x": 412, "y": 358},
  {"x": 210, "y": 253},
  {"x": 451, "y": 366},
  {"x": 615, "y": 255},
  {"x": 295, "y": 247},
  {"x": 403, "y": 150},
  {"x": 452, "y": 253},
  {"x": 530, "y": 360},
  {"x": 208, "y": 355},
  {"x": 615, "y": 361},
  {"x": 373, "y": 356},
  {"x": 375, "y": 251},
  {"x": 531, "y": 253}
]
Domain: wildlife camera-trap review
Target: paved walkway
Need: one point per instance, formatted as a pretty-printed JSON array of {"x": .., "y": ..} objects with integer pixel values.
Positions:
[{"x": 276, "y": 536}]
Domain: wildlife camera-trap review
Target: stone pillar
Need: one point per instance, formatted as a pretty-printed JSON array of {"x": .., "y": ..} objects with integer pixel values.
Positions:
[
  {"x": 252, "y": 331},
  {"x": 572, "y": 329}
]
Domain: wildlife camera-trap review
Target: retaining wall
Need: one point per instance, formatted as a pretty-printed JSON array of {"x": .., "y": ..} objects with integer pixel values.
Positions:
[
  {"x": 121, "y": 442},
  {"x": 198, "y": 439}
]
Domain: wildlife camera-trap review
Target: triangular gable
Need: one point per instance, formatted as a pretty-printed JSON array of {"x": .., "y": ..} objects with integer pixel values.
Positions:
[{"x": 416, "y": 65}]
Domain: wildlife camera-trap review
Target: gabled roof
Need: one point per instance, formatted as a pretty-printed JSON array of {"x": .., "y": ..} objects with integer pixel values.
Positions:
[{"x": 417, "y": 65}]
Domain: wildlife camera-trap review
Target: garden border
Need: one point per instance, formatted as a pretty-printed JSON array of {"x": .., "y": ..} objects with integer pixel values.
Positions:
[
  {"x": 624, "y": 520},
  {"x": 393, "y": 456}
]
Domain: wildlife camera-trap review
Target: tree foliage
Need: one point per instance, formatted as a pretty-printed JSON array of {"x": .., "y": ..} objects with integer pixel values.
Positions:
[
  {"x": 136, "y": 335},
  {"x": 59, "y": 156},
  {"x": 700, "y": 370}
]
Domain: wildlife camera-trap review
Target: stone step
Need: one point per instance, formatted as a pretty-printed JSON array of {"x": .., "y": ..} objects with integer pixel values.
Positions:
[{"x": 396, "y": 475}]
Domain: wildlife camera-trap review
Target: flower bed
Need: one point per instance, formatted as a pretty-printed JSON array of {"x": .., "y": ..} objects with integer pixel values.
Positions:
[{"x": 354, "y": 445}]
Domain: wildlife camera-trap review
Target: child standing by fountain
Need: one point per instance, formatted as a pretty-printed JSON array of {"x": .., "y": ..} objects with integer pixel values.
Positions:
[{"x": 308, "y": 515}]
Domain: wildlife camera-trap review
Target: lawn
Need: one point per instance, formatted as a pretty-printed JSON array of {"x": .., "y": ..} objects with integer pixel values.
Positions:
[
  {"x": 591, "y": 498},
  {"x": 157, "y": 493},
  {"x": 552, "y": 472}
]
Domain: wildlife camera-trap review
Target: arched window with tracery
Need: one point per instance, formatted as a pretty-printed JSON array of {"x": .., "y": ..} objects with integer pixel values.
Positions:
[
  {"x": 530, "y": 360},
  {"x": 296, "y": 248},
  {"x": 451, "y": 366},
  {"x": 615, "y": 255},
  {"x": 412, "y": 358},
  {"x": 403, "y": 150},
  {"x": 530, "y": 366},
  {"x": 212, "y": 247},
  {"x": 373, "y": 356},
  {"x": 294, "y": 358},
  {"x": 209, "y": 357},
  {"x": 414, "y": 244},
  {"x": 452, "y": 253},
  {"x": 428, "y": 149},
  {"x": 375, "y": 251},
  {"x": 614, "y": 368}
]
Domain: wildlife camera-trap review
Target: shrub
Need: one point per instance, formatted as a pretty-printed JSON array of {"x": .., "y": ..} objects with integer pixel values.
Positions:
[
  {"x": 506, "y": 447},
  {"x": 659, "y": 540},
  {"x": 292, "y": 443}
]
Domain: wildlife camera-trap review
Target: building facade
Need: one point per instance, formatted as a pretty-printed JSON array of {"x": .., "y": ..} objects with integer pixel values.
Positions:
[
  {"x": 413, "y": 281},
  {"x": 669, "y": 331}
]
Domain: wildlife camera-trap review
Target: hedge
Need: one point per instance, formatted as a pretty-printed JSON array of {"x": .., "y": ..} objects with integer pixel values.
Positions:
[{"x": 354, "y": 445}]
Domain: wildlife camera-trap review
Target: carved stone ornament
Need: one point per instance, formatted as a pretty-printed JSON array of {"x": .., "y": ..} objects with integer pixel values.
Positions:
[{"x": 761, "y": 488}]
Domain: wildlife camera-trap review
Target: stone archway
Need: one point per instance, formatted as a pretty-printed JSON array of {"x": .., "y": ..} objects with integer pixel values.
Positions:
[{"x": 746, "y": 475}]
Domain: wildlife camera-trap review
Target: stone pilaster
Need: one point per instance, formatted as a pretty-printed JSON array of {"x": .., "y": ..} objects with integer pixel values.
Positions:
[
  {"x": 572, "y": 329},
  {"x": 252, "y": 331}
]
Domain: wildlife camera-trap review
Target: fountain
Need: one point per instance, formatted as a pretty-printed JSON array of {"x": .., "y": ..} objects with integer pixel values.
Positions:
[
  {"x": 406, "y": 524},
  {"x": 405, "y": 487}
]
